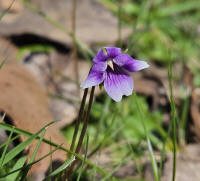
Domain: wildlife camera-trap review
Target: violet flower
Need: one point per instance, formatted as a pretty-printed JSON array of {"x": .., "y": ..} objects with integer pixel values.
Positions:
[{"x": 112, "y": 67}]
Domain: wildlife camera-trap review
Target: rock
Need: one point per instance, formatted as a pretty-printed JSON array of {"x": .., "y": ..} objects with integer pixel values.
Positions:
[
  {"x": 55, "y": 73},
  {"x": 7, "y": 50},
  {"x": 188, "y": 165},
  {"x": 91, "y": 26}
]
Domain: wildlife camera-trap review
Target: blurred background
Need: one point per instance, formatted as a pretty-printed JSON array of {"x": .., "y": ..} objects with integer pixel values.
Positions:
[{"x": 47, "y": 47}]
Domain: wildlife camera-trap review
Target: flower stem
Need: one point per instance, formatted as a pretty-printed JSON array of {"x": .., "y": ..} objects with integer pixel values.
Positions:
[
  {"x": 77, "y": 125},
  {"x": 83, "y": 131},
  {"x": 85, "y": 121},
  {"x": 78, "y": 121}
]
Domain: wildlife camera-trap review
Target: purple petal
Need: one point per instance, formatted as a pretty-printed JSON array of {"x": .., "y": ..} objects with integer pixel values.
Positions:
[
  {"x": 100, "y": 57},
  {"x": 130, "y": 64},
  {"x": 113, "y": 51},
  {"x": 118, "y": 83},
  {"x": 96, "y": 75}
]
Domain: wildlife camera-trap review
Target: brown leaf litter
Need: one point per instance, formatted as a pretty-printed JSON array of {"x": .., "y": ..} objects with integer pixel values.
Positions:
[{"x": 23, "y": 100}]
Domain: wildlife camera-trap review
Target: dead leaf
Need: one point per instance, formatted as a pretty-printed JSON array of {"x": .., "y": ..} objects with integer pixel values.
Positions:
[{"x": 26, "y": 103}]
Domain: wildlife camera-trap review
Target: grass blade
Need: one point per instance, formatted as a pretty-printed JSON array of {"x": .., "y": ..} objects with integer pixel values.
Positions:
[
  {"x": 38, "y": 145},
  {"x": 18, "y": 165},
  {"x": 11, "y": 140},
  {"x": 15, "y": 151},
  {"x": 61, "y": 168},
  {"x": 85, "y": 156},
  {"x": 51, "y": 162},
  {"x": 30, "y": 164},
  {"x": 173, "y": 110},
  {"x": 25, "y": 172},
  {"x": 2, "y": 63},
  {"x": 20, "y": 131},
  {"x": 152, "y": 158},
  {"x": 183, "y": 121},
  {"x": 6, "y": 10},
  {"x": 163, "y": 152},
  {"x": 5, "y": 148},
  {"x": 138, "y": 167},
  {"x": 109, "y": 175}
]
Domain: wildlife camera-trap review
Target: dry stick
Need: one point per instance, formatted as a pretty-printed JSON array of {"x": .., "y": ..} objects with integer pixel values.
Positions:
[
  {"x": 74, "y": 52},
  {"x": 83, "y": 131}
]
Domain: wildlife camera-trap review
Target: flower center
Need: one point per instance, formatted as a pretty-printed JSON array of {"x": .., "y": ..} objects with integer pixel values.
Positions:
[{"x": 110, "y": 63}]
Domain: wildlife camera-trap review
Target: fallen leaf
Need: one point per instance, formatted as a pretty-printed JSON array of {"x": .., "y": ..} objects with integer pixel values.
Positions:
[{"x": 23, "y": 100}]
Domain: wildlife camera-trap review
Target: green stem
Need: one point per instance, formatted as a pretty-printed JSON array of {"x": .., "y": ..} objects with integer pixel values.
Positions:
[{"x": 172, "y": 104}]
